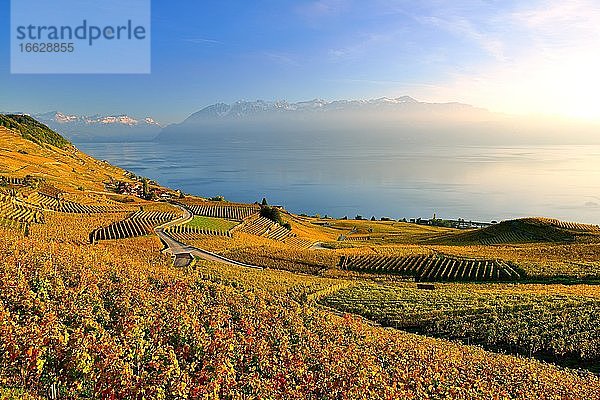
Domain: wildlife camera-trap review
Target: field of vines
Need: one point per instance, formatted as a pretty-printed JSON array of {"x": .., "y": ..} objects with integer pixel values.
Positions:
[
  {"x": 433, "y": 267},
  {"x": 386, "y": 231},
  {"x": 508, "y": 237},
  {"x": 65, "y": 206},
  {"x": 542, "y": 321},
  {"x": 218, "y": 209},
  {"x": 257, "y": 250},
  {"x": 572, "y": 226},
  {"x": 281, "y": 256},
  {"x": 262, "y": 226},
  {"x": 50, "y": 191},
  {"x": 539, "y": 260},
  {"x": 186, "y": 234},
  {"x": 114, "y": 320},
  {"x": 139, "y": 223},
  {"x": 299, "y": 242},
  {"x": 10, "y": 209},
  {"x": 523, "y": 230},
  {"x": 71, "y": 228},
  {"x": 299, "y": 287}
]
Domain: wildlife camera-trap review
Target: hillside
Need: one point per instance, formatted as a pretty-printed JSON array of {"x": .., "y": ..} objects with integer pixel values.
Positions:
[
  {"x": 525, "y": 230},
  {"x": 55, "y": 161},
  {"x": 274, "y": 305},
  {"x": 33, "y": 130}
]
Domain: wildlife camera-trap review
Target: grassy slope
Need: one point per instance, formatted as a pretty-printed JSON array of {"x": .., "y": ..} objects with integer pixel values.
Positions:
[
  {"x": 218, "y": 224},
  {"x": 525, "y": 230},
  {"x": 33, "y": 130},
  {"x": 67, "y": 168}
]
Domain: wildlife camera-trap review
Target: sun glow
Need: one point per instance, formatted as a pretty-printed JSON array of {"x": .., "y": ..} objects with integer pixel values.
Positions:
[{"x": 545, "y": 61}]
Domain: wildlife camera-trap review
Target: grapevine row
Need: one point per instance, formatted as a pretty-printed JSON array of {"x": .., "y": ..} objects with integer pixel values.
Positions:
[
  {"x": 183, "y": 232},
  {"x": 9, "y": 209},
  {"x": 508, "y": 237},
  {"x": 140, "y": 223},
  {"x": 8, "y": 180},
  {"x": 433, "y": 267},
  {"x": 65, "y": 206},
  {"x": 236, "y": 212},
  {"x": 265, "y": 227},
  {"x": 573, "y": 226},
  {"x": 357, "y": 238}
]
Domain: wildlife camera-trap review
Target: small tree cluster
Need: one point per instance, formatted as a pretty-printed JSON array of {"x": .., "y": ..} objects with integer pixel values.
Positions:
[{"x": 274, "y": 214}]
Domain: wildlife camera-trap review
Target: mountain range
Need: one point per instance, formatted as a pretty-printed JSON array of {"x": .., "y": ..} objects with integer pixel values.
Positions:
[
  {"x": 248, "y": 117},
  {"x": 399, "y": 119},
  {"x": 389, "y": 120},
  {"x": 83, "y": 128},
  {"x": 248, "y": 109}
]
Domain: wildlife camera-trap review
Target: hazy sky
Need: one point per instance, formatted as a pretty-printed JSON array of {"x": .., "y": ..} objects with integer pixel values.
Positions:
[{"x": 512, "y": 56}]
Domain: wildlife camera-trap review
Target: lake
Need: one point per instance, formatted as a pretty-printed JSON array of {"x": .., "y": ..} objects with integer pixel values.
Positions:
[{"x": 472, "y": 182}]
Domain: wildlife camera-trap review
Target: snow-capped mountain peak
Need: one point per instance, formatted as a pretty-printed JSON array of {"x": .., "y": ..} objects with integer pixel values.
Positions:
[
  {"x": 116, "y": 120},
  {"x": 243, "y": 108},
  {"x": 101, "y": 127},
  {"x": 63, "y": 119},
  {"x": 151, "y": 121}
]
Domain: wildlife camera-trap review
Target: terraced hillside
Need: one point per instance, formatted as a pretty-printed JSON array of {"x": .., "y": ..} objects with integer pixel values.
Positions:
[
  {"x": 186, "y": 233},
  {"x": 140, "y": 223},
  {"x": 48, "y": 202},
  {"x": 261, "y": 226},
  {"x": 571, "y": 226},
  {"x": 433, "y": 267},
  {"x": 525, "y": 230},
  {"x": 15, "y": 211},
  {"x": 68, "y": 169},
  {"x": 219, "y": 209}
]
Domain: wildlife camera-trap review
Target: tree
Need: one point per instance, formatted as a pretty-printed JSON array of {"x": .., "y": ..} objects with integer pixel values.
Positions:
[
  {"x": 145, "y": 188},
  {"x": 271, "y": 213},
  {"x": 264, "y": 202},
  {"x": 274, "y": 215}
]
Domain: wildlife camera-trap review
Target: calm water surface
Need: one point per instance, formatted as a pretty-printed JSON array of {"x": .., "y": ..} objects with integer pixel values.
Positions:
[{"x": 477, "y": 183}]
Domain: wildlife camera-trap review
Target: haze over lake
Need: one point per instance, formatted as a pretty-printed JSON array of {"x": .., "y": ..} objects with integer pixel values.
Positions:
[{"x": 412, "y": 180}]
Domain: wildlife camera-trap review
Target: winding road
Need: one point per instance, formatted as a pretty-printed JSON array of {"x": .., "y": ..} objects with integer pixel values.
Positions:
[{"x": 176, "y": 247}]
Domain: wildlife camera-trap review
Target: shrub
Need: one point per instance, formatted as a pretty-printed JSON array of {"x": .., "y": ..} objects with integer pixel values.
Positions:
[{"x": 272, "y": 213}]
